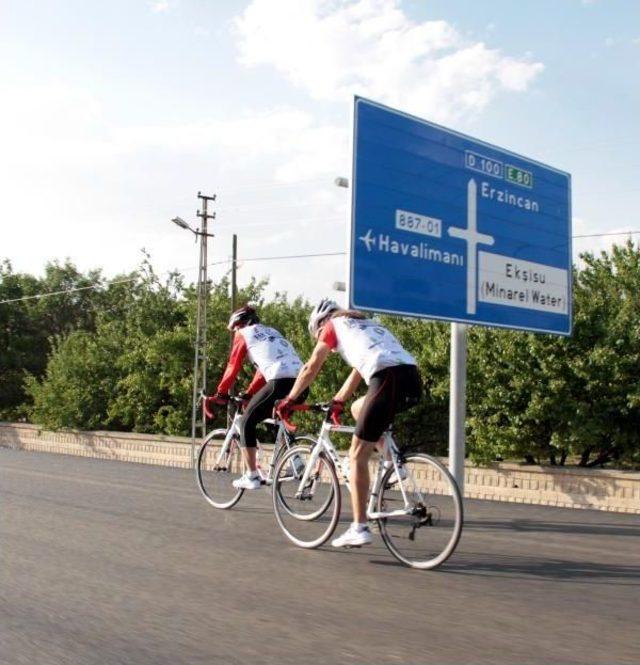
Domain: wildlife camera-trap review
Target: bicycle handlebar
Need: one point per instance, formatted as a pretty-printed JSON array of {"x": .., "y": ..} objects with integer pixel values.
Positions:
[
  {"x": 318, "y": 408},
  {"x": 207, "y": 401}
]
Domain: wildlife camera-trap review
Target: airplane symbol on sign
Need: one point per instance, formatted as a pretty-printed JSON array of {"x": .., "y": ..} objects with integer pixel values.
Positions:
[{"x": 369, "y": 240}]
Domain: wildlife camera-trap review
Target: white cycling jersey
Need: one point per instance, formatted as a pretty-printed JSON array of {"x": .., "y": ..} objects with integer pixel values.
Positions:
[
  {"x": 270, "y": 352},
  {"x": 368, "y": 347}
]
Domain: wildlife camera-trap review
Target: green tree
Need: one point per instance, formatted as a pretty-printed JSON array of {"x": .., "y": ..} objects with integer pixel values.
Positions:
[{"x": 544, "y": 397}]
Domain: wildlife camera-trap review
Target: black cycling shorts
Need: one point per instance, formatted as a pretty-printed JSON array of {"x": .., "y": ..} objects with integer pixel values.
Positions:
[
  {"x": 261, "y": 406},
  {"x": 391, "y": 391}
]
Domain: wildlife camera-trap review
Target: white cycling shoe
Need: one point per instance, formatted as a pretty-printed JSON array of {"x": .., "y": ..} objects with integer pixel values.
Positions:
[
  {"x": 248, "y": 481},
  {"x": 353, "y": 537}
]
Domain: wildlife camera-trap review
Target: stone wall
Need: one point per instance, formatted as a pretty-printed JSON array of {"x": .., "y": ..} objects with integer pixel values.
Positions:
[{"x": 568, "y": 487}]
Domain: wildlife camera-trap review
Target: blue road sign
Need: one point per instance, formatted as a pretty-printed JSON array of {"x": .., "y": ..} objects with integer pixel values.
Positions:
[{"x": 447, "y": 227}]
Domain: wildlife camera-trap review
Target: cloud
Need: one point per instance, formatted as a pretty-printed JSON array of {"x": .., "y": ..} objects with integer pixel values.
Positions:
[
  {"x": 55, "y": 125},
  {"x": 300, "y": 146},
  {"x": 335, "y": 48},
  {"x": 160, "y": 6}
]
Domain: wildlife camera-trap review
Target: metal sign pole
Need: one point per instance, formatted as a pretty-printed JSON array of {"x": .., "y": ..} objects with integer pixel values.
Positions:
[{"x": 457, "y": 402}]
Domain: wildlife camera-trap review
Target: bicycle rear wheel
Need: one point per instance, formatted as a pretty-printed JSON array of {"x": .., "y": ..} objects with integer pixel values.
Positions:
[
  {"x": 215, "y": 473},
  {"x": 308, "y": 516},
  {"x": 426, "y": 536}
]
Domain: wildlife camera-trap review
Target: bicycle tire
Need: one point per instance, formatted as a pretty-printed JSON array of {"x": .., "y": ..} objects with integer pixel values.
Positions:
[
  {"x": 398, "y": 533},
  {"x": 216, "y": 485},
  {"x": 282, "y": 506},
  {"x": 310, "y": 443}
]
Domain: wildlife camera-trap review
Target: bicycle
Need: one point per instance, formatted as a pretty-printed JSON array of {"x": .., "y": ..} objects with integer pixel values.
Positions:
[
  {"x": 220, "y": 462},
  {"x": 414, "y": 497}
]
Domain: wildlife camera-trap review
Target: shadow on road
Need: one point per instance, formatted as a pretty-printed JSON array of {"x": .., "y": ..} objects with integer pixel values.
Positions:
[
  {"x": 533, "y": 525},
  {"x": 559, "y": 570}
]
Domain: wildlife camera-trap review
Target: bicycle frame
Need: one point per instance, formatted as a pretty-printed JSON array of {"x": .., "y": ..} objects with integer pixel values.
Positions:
[
  {"x": 390, "y": 449},
  {"x": 234, "y": 431}
]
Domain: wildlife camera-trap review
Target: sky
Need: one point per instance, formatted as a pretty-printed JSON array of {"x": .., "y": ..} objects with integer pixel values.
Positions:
[{"x": 114, "y": 115}]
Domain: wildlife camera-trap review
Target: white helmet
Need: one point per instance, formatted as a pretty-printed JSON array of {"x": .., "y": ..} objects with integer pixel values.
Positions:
[{"x": 319, "y": 313}]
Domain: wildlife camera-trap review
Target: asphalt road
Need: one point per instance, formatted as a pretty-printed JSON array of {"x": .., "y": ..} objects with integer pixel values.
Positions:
[{"x": 106, "y": 562}]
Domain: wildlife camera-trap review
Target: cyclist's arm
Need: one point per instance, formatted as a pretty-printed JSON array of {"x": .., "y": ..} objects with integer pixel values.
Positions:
[
  {"x": 236, "y": 357},
  {"x": 349, "y": 386},
  {"x": 310, "y": 370},
  {"x": 257, "y": 382}
]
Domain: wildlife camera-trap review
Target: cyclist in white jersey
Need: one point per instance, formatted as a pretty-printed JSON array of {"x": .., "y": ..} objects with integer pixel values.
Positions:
[
  {"x": 394, "y": 385},
  {"x": 277, "y": 365}
]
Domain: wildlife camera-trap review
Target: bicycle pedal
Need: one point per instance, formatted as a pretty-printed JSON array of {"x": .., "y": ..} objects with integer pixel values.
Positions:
[
  {"x": 352, "y": 547},
  {"x": 263, "y": 481}
]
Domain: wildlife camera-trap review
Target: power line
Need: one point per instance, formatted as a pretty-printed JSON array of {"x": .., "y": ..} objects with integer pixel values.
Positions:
[
  {"x": 101, "y": 285},
  {"x": 601, "y": 235},
  {"x": 291, "y": 256},
  {"x": 282, "y": 257},
  {"x": 133, "y": 279},
  {"x": 37, "y": 296}
]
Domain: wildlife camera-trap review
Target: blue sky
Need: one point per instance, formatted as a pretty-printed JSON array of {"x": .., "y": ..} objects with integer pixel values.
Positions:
[{"x": 115, "y": 114}]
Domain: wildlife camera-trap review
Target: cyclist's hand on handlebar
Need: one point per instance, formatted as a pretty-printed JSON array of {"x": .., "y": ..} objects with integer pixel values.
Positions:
[
  {"x": 221, "y": 399},
  {"x": 283, "y": 408},
  {"x": 336, "y": 409}
]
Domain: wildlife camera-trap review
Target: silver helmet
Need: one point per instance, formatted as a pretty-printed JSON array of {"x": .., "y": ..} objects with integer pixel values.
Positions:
[{"x": 319, "y": 313}]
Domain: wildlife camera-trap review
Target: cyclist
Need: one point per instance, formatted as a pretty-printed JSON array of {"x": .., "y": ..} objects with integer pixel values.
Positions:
[
  {"x": 277, "y": 365},
  {"x": 394, "y": 385}
]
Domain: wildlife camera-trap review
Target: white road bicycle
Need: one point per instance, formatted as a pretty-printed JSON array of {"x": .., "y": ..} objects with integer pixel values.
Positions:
[
  {"x": 220, "y": 461},
  {"x": 415, "y": 501}
]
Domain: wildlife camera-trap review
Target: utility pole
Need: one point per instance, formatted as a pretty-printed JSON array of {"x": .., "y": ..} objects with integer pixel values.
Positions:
[
  {"x": 198, "y": 420},
  {"x": 234, "y": 273}
]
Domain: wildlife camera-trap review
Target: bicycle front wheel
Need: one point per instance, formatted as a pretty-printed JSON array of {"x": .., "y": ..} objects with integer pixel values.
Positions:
[
  {"x": 427, "y": 533},
  {"x": 308, "y": 515},
  {"x": 217, "y": 469}
]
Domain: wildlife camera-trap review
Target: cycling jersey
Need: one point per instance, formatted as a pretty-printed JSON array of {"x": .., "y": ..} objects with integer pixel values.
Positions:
[
  {"x": 268, "y": 350},
  {"x": 364, "y": 345}
]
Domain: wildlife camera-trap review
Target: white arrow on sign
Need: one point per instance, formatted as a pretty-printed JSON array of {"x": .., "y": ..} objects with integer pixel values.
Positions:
[{"x": 471, "y": 236}]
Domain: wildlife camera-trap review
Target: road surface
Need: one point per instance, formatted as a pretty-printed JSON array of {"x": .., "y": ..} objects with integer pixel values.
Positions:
[{"x": 107, "y": 562}]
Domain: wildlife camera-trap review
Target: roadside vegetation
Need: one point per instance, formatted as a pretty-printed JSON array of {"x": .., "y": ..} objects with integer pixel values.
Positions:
[{"x": 119, "y": 356}]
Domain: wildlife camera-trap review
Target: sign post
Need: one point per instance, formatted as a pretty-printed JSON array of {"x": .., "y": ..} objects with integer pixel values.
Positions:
[
  {"x": 450, "y": 228},
  {"x": 457, "y": 402}
]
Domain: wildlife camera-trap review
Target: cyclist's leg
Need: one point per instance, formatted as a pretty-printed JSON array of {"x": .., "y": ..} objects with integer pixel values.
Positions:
[
  {"x": 374, "y": 415},
  {"x": 356, "y": 408},
  {"x": 258, "y": 408},
  {"x": 359, "y": 454},
  {"x": 390, "y": 391}
]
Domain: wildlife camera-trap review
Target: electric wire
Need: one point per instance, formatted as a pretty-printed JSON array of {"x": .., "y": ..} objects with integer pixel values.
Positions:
[{"x": 283, "y": 257}]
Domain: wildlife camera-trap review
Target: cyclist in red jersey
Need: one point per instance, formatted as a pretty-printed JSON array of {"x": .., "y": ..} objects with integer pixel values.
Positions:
[
  {"x": 394, "y": 385},
  {"x": 277, "y": 365}
]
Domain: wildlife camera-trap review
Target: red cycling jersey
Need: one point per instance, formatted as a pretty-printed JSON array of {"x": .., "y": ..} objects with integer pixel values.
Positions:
[{"x": 234, "y": 365}]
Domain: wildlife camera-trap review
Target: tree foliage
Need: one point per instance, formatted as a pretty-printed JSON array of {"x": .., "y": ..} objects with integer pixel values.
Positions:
[{"x": 119, "y": 355}]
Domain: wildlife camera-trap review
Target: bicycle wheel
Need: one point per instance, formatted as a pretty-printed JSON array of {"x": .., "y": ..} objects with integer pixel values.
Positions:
[
  {"x": 296, "y": 465},
  {"x": 215, "y": 472},
  {"x": 307, "y": 517},
  {"x": 426, "y": 536}
]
